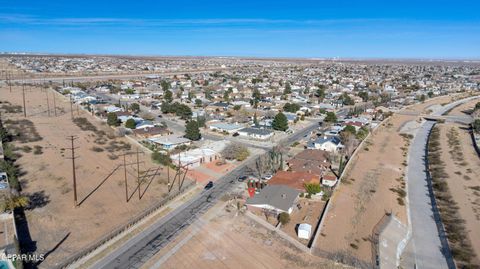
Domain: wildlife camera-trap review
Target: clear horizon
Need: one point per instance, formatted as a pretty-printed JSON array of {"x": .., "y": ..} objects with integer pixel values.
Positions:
[{"x": 431, "y": 30}]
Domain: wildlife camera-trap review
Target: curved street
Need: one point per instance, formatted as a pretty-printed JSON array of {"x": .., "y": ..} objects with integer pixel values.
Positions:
[{"x": 430, "y": 247}]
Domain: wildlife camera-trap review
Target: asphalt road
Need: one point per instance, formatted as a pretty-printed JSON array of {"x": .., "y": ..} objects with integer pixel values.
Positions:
[
  {"x": 113, "y": 76},
  {"x": 139, "y": 249},
  {"x": 173, "y": 125},
  {"x": 430, "y": 248}
]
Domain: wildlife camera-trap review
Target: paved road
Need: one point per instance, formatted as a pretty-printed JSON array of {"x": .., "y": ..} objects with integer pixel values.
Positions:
[
  {"x": 113, "y": 76},
  {"x": 137, "y": 250},
  {"x": 179, "y": 127},
  {"x": 430, "y": 248}
]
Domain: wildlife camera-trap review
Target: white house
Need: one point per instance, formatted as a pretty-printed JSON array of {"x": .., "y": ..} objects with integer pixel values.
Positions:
[
  {"x": 256, "y": 133},
  {"x": 169, "y": 142},
  {"x": 330, "y": 144},
  {"x": 225, "y": 127}
]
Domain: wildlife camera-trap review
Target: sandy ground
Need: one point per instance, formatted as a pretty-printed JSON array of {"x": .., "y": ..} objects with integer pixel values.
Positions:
[
  {"x": 232, "y": 241},
  {"x": 370, "y": 187},
  {"x": 365, "y": 193},
  {"x": 463, "y": 180},
  {"x": 309, "y": 213},
  {"x": 47, "y": 178}
]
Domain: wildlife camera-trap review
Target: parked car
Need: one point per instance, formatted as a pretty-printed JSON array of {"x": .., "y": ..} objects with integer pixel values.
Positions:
[
  {"x": 267, "y": 177},
  {"x": 209, "y": 185},
  {"x": 242, "y": 178}
]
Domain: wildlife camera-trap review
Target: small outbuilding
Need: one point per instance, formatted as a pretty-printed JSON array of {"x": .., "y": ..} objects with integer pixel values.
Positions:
[{"x": 304, "y": 231}]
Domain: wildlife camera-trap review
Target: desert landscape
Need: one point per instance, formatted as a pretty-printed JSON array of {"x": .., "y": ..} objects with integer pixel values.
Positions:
[{"x": 46, "y": 173}]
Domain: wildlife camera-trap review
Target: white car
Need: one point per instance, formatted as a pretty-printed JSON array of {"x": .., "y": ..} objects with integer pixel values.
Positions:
[{"x": 267, "y": 177}]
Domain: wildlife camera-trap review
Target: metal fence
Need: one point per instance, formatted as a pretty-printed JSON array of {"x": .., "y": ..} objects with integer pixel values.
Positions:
[{"x": 117, "y": 231}]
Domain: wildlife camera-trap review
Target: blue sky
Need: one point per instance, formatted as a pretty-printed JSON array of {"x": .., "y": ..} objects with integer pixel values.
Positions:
[{"x": 273, "y": 28}]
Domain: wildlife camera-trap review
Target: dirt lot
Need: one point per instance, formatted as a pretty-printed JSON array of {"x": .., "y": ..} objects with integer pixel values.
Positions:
[
  {"x": 229, "y": 240},
  {"x": 462, "y": 166},
  {"x": 376, "y": 174},
  {"x": 309, "y": 213},
  {"x": 47, "y": 178}
]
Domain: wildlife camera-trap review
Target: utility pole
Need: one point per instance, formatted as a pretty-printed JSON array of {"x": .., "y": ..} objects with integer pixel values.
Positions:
[
  {"x": 54, "y": 105},
  {"x": 125, "y": 175},
  {"x": 23, "y": 92},
  {"x": 71, "y": 106},
  {"x": 10, "y": 81},
  {"x": 138, "y": 175},
  {"x": 48, "y": 103},
  {"x": 72, "y": 139}
]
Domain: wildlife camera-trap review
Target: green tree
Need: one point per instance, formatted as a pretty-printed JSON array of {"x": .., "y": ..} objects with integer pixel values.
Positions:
[
  {"x": 255, "y": 119},
  {"x": 161, "y": 158},
  {"x": 280, "y": 122},
  {"x": 346, "y": 99},
  {"x": 320, "y": 93},
  {"x": 135, "y": 107},
  {"x": 312, "y": 188},
  {"x": 226, "y": 96},
  {"x": 362, "y": 133},
  {"x": 363, "y": 95},
  {"x": 256, "y": 96},
  {"x": 198, "y": 103},
  {"x": 192, "y": 131},
  {"x": 112, "y": 119},
  {"x": 237, "y": 107},
  {"x": 477, "y": 106},
  {"x": 288, "y": 88},
  {"x": 130, "y": 123},
  {"x": 284, "y": 218},
  {"x": 190, "y": 95},
  {"x": 291, "y": 107},
  {"x": 476, "y": 125},
  {"x": 331, "y": 117},
  {"x": 168, "y": 96},
  {"x": 129, "y": 91},
  {"x": 350, "y": 129},
  {"x": 430, "y": 94},
  {"x": 165, "y": 85}
]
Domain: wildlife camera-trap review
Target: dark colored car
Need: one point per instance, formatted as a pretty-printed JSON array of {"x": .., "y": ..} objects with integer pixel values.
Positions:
[
  {"x": 209, "y": 185},
  {"x": 242, "y": 178}
]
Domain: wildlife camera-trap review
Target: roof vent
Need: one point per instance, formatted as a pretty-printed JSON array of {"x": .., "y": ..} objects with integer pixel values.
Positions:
[{"x": 284, "y": 196}]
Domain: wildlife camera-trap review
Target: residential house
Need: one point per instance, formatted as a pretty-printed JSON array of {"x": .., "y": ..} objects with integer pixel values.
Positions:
[
  {"x": 256, "y": 133},
  {"x": 169, "y": 142},
  {"x": 310, "y": 160},
  {"x": 330, "y": 144},
  {"x": 274, "y": 198},
  {"x": 144, "y": 124},
  {"x": 294, "y": 180},
  {"x": 151, "y": 131},
  {"x": 225, "y": 127}
]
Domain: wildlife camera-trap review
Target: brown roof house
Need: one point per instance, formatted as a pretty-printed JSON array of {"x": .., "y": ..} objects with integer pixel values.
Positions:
[
  {"x": 311, "y": 161},
  {"x": 294, "y": 180}
]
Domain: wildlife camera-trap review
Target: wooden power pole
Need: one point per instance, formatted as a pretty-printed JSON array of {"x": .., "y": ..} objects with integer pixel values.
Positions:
[
  {"x": 23, "y": 93},
  {"x": 125, "y": 175},
  {"x": 72, "y": 139}
]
